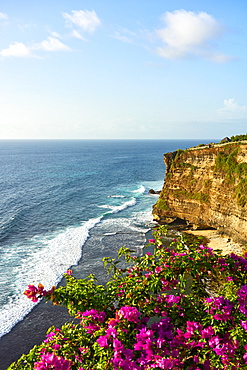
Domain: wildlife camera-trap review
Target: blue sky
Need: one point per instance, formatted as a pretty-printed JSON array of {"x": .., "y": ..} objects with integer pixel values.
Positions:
[{"x": 123, "y": 69}]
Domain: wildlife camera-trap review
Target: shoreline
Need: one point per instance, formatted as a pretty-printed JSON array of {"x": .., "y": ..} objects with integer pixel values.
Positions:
[{"x": 32, "y": 329}]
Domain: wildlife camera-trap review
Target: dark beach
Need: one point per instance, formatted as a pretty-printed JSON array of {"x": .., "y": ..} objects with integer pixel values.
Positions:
[{"x": 32, "y": 329}]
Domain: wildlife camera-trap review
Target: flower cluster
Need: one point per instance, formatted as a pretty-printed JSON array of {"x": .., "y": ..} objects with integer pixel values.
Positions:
[
  {"x": 129, "y": 313},
  {"x": 51, "y": 361},
  {"x": 34, "y": 293},
  {"x": 184, "y": 306},
  {"x": 94, "y": 314},
  {"x": 220, "y": 308},
  {"x": 151, "y": 346},
  {"x": 242, "y": 299},
  {"x": 91, "y": 319},
  {"x": 240, "y": 262}
]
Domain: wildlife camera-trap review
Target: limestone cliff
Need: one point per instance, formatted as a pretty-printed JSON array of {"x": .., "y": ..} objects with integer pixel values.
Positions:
[{"x": 207, "y": 187}]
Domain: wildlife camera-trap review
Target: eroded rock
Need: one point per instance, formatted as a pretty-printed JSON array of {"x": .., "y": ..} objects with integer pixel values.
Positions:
[{"x": 207, "y": 187}]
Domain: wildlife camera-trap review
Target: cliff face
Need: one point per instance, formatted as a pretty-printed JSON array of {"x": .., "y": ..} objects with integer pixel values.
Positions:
[{"x": 207, "y": 187}]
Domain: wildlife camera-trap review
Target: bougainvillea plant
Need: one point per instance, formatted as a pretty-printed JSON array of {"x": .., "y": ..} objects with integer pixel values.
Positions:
[{"x": 180, "y": 307}]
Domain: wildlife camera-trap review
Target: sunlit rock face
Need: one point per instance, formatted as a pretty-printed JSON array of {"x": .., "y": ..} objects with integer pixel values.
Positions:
[{"x": 207, "y": 187}]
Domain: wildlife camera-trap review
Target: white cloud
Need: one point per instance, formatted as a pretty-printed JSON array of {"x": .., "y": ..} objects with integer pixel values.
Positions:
[
  {"x": 3, "y": 16},
  {"x": 122, "y": 37},
  {"x": 219, "y": 57},
  {"x": 83, "y": 19},
  {"x": 55, "y": 34},
  {"x": 77, "y": 35},
  {"x": 17, "y": 49},
  {"x": 231, "y": 106},
  {"x": 51, "y": 44},
  {"x": 20, "y": 50},
  {"x": 187, "y": 34}
]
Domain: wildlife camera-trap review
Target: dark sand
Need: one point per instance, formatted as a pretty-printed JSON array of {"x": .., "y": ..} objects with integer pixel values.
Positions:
[{"x": 32, "y": 329}]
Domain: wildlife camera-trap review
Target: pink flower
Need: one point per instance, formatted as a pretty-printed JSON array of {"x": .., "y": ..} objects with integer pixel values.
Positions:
[
  {"x": 172, "y": 299},
  {"x": 34, "y": 293},
  {"x": 56, "y": 347},
  {"x": 51, "y": 361},
  {"x": 91, "y": 328},
  {"x": 111, "y": 331},
  {"x": 83, "y": 349},
  {"x": 130, "y": 313},
  {"x": 242, "y": 294},
  {"x": 103, "y": 341},
  {"x": 201, "y": 246},
  {"x": 207, "y": 332},
  {"x": 95, "y": 314},
  {"x": 68, "y": 272},
  {"x": 31, "y": 293},
  {"x": 192, "y": 326},
  {"x": 113, "y": 322},
  {"x": 117, "y": 345},
  {"x": 158, "y": 269},
  {"x": 151, "y": 240},
  {"x": 244, "y": 324}
]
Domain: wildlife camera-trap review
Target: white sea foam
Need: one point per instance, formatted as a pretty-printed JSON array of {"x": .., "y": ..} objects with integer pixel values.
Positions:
[
  {"x": 52, "y": 256},
  {"x": 127, "y": 224},
  {"x": 116, "y": 209},
  {"x": 46, "y": 265},
  {"x": 140, "y": 190},
  {"x": 116, "y": 196},
  {"x": 144, "y": 218},
  {"x": 106, "y": 206}
]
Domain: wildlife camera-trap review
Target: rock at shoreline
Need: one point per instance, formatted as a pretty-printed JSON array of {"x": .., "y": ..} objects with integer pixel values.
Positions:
[{"x": 152, "y": 191}]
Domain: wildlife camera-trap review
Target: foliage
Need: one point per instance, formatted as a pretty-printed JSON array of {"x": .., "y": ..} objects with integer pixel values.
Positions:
[
  {"x": 162, "y": 204},
  {"x": 180, "y": 307},
  {"x": 239, "y": 137},
  {"x": 178, "y": 153},
  {"x": 235, "y": 173},
  {"x": 185, "y": 165},
  {"x": 200, "y": 196}
]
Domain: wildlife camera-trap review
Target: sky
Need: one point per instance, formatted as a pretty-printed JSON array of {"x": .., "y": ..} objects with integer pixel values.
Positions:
[{"x": 123, "y": 69}]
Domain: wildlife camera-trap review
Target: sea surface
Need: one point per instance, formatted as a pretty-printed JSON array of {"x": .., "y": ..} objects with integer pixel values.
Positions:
[{"x": 68, "y": 201}]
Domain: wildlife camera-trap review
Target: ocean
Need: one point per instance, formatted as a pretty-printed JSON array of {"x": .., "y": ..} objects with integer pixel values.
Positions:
[{"x": 68, "y": 201}]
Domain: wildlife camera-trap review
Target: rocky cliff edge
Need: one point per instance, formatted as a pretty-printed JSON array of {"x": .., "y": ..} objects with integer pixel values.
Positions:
[{"x": 206, "y": 187}]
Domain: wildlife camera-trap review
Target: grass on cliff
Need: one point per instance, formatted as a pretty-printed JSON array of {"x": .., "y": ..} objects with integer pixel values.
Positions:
[
  {"x": 162, "y": 204},
  {"x": 235, "y": 173},
  {"x": 199, "y": 196}
]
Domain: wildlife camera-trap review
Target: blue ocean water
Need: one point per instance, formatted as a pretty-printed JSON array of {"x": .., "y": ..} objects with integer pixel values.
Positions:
[{"x": 65, "y": 201}]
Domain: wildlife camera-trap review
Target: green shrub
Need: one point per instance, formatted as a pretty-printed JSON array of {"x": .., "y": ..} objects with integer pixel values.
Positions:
[
  {"x": 239, "y": 137},
  {"x": 162, "y": 204},
  {"x": 180, "y": 307}
]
